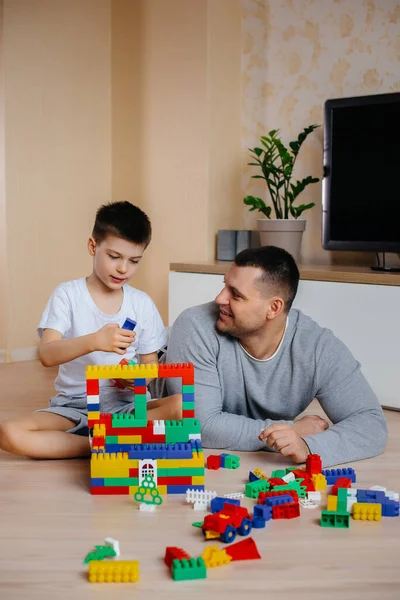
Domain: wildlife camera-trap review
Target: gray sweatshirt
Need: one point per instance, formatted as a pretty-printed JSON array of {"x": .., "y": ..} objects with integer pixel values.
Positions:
[{"x": 237, "y": 395}]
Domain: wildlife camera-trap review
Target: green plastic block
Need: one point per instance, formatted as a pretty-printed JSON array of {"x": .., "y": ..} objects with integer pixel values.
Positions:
[
  {"x": 188, "y": 389},
  {"x": 337, "y": 520},
  {"x": 111, "y": 439},
  {"x": 253, "y": 488},
  {"x": 120, "y": 481},
  {"x": 342, "y": 500},
  {"x": 279, "y": 473},
  {"x": 188, "y": 405},
  {"x": 193, "y": 568},
  {"x": 232, "y": 461},
  {"x": 120, "y": 421},
  {"x": 179, "y": 431},
  {"x": 293, "y": 485},
  {"x": 100, "y": 553},
  {"x": 181, "y": 472},
  {"x": 288, "y": 469},
  {"x": 140, "y": 406},
  {"x": 198, "y": 524}
]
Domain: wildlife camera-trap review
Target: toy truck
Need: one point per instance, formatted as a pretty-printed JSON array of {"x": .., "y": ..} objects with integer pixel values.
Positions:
[{"x": 226, "y": 523}]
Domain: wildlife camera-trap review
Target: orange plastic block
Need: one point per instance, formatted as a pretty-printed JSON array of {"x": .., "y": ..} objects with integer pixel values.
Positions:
[{"x": 183, "y": 370}]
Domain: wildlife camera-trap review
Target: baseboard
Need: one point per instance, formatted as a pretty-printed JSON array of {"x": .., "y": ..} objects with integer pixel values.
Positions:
[{"x": 18, "y": 354}]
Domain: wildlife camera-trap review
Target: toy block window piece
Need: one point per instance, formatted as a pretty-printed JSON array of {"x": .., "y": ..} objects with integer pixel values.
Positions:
[{"x": 147, "y": 467}]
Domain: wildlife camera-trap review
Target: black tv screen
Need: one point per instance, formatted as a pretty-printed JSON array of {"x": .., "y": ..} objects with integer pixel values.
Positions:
[{"x": 361, "y": 186}]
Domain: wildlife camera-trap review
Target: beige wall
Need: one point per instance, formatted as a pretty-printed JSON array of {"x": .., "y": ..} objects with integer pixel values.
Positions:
[
  {"x": 3, "y": 227},
  {"x": 298, "y": 54},
  {"x": 57, "y": 116}
]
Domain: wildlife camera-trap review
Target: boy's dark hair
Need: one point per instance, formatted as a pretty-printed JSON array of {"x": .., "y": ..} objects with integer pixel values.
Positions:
[
  {"x": 278, "y": 267},
  {"x": 124, "y": 220}
]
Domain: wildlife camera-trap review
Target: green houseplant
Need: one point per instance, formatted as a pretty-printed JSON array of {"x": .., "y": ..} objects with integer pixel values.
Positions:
[{"x": 277, "y": 162}]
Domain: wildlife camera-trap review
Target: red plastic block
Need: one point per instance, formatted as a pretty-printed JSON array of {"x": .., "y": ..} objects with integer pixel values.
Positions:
[
  {"x": 341, "y": 482},
  {"x": 133, "y": 472},
  {"x": 183, "y": 370},
  {"x": 276, "y": 481},
  {"x": 263, "y": 495},
  {"x": 188, "y": 414},
  {"x": 174, "y": 480},
  {"x": 286, "y": 511},
  {"x": 214, "y": 462},
  {"x": 313, "y": 464},
  {"x": 109, "y": 490},
  {"x": 172, "y": 552},
  {"x": 244, "y": 550},
  {"x": 92, "y": 387},
  {"x": 98, "y": 442},
  {"x": 140, "y": 389}
]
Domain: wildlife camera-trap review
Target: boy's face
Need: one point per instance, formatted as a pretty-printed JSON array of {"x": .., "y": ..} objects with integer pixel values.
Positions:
[{"x": 115, "y": 261}]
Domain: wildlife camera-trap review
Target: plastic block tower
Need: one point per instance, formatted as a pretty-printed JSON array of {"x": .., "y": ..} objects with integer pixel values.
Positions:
[{"x": 128, "y": 447}]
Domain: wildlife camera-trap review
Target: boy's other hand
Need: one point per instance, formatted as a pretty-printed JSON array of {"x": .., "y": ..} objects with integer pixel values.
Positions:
[
  {"x": 127, "y": 384},
  {"x": 111, "y": 338},
  {"x": 283, "y": 438}
]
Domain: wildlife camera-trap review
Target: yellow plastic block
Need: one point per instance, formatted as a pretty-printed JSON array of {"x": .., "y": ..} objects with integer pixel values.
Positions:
[
  {"x": 197, "y": 480},
  {"x": 168, "y": 463},
  {"x": 113, "y": 571},
  {"x": 212, "y": 535},
  {"x": 367, "y": 511},
  {"x": 214, "y": 557},
  {"x": 192, "y": 462},
  {"x": 129, "y": 439},
  {"x": 260, "y": 474},
  {"x": 162, "y": 489},
  {"x": 122, "y": 371},
  {"x": 99, "y": 430},
  {"x": 332, "y": 503},
  {"x": 319, "y": 481},
  {"x": 93, "y": 415},
  {"x": 111, "y": 465}
]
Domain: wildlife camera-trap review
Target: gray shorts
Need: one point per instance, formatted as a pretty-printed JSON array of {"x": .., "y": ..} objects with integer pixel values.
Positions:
[{"x": 75, "y": 408}]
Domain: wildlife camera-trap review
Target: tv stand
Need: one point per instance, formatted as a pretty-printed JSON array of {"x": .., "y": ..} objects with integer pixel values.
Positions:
[{"x": 383, "y": 267}]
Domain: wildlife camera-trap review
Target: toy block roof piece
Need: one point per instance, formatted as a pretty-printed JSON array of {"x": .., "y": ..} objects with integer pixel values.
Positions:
[
  {"x": 119, "y": 571},
  {"x": 244, "y": 550}
]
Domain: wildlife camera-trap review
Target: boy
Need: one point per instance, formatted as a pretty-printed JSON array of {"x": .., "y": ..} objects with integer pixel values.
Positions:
[{"x": 81, "y": 325}]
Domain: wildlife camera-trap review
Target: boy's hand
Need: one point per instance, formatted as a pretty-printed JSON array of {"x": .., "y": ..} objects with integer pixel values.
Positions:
[
  {"x": 111, "y": 338},
  {"x": 283, "y": 438},
  {"x": 126, "y": 384}
]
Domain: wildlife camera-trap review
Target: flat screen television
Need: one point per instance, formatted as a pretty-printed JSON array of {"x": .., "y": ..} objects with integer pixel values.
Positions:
[{"x": 361, "y": 185}]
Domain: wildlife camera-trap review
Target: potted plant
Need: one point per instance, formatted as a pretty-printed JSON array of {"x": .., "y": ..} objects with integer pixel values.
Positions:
[{"x": 277, "y": 162}]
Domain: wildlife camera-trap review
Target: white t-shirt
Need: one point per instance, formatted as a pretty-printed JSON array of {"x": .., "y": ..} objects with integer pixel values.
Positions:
[{"x": 72, "y": 311}]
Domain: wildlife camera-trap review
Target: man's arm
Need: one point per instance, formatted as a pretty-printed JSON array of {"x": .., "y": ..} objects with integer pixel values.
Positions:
[
  {"x": 191, "y": 342},
  {"x": 359, "y": 427}
]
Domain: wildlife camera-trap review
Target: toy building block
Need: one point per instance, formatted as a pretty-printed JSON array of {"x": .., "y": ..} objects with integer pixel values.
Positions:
[
  {"x": 260, "y": 474},
  {"x": 255, "y": 487},
  {"x": 253, "y": 477},
  {"x": 306, "y": 503},
  {"x": 244, "y": 550},
  {"x": 114, "y": 544},
  {"x": 262, "y": 511},
  {"x": 367, "y": 512},
  {"x": 319, "y": 481},
  {"x": 184, "y": 370},
  {"x": 198, "y": 524},
  {"x": 185, "y": 569},
  {"x": 281, "y": 499},
  {"x": 289, "y": 510},
  {"x": 214, "y": 557},
  {"x": 293, "y": 485},
  {"x": 259, "y": 523},
  {"x": 274, "y": 481},
  {"x": 231, "y": 461},
  {"x": 390, "y": 508},
  {"x": 122, "y": 371},
  {"x": 263, "y": 496},
  {"x": 314, "y": 496},
  {"x": 99, "y": 553},
  {"x": 288, "y": 477},
  {"x": 147, "y": 507},
  {"x": 332, "y": 503},
  {"x": 119, "y": 571},
  {"x": 172, "y": 553},
  {"x": 202, "y": 506},
  {"x": 313, "y": 464},
  {"x": 333, "y": 474},
  {"x": 129, "y": 324},
  {"x": 341, "y": 482},
  {"x": 280, "y": 473},
  {"x": 234, "y": 495},
  {"x": 148, "y": 487},
  {"x": 337, "y": 520},
  {"x": 213, "y": 462},
  {"x": 218, "y": 503},
  {"x": 200, "y": 495},
  {"x": 342, "y": 495}
]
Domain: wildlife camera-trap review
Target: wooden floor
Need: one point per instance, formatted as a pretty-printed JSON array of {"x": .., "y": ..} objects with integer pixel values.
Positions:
[{"x": 49, "y": 522}]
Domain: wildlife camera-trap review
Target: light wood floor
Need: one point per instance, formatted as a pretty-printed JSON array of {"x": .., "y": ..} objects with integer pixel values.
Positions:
[{"x": 49, "y": 522}]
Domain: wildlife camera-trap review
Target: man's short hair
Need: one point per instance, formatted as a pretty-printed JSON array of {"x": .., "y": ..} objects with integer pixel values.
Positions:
[
  {"x": 123, "y": 220},
  {"x": 278, "y": 267}
]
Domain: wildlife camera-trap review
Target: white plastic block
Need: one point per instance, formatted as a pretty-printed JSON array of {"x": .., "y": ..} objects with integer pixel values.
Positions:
[
  {"x": 350, "y": 501},
  {"x": 351, "y": 492},
  {"x": 114, "y": 544},
  {"x": 378, "y": 488},
  {"x": 392, "y": 496},
  {"x": 234, "y": 495},
  {"x": 200, "y": 506},
  {"x": 93, "y": 399},
  {"x": 200, "y": 495},
  {"x": 288, "y": 477},
  {"x": 147, "y": 507},
  {"x": 305, "y": 503},
  {"x": 158, "y": 427},
  {"x": 314, "y": 496},
  {"x": 194, "y": 436}
]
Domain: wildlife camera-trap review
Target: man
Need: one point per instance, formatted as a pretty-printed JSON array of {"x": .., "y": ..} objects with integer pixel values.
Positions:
[{"x": 259, "y": 363}]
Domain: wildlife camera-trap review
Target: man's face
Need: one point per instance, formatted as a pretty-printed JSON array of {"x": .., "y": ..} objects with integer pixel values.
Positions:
[
  {"x": 242, "y": 305},
  {"x": 115, "y": 261}
]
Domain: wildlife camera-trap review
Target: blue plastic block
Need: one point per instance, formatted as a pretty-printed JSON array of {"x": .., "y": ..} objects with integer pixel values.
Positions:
[
  {"x": 151, "y": 451},
  {"x": 196, "y": 444},
  {"x": 258, "y": 523},
  {"x": 118, "y": 447},
  {"x": 181, "y": 489},
  {"x": 262, "y": 511},
  {"x": 223, "y": 459},
  {"x": 187, "y": 398},
  {"x": 217, "y": 503},
  {"x": 93, "y": 407},
  {"x": 179, "y": 450},
  {"x": 373, "y": 496},
  {"x": 140, "y": 382},
  {"x": 97, "y": 482},
  {"x": 252, "y": 477},
  {"x": 332, "y": 475},
  {"x": 390, "y": 508},
  {"x": 129, "y": 324},
  {"x": 275, "y": 500}
]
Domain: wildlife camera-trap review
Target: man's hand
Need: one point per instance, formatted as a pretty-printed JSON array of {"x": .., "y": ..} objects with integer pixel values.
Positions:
[
  {"x": 283, "y": 438},
  {"x": 111, "y": 338}
]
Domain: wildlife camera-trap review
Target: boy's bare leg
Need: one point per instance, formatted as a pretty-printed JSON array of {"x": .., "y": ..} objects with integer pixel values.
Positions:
[
  {"x": 168, "y": 408},
  {"x": 42, "y": 435}
]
